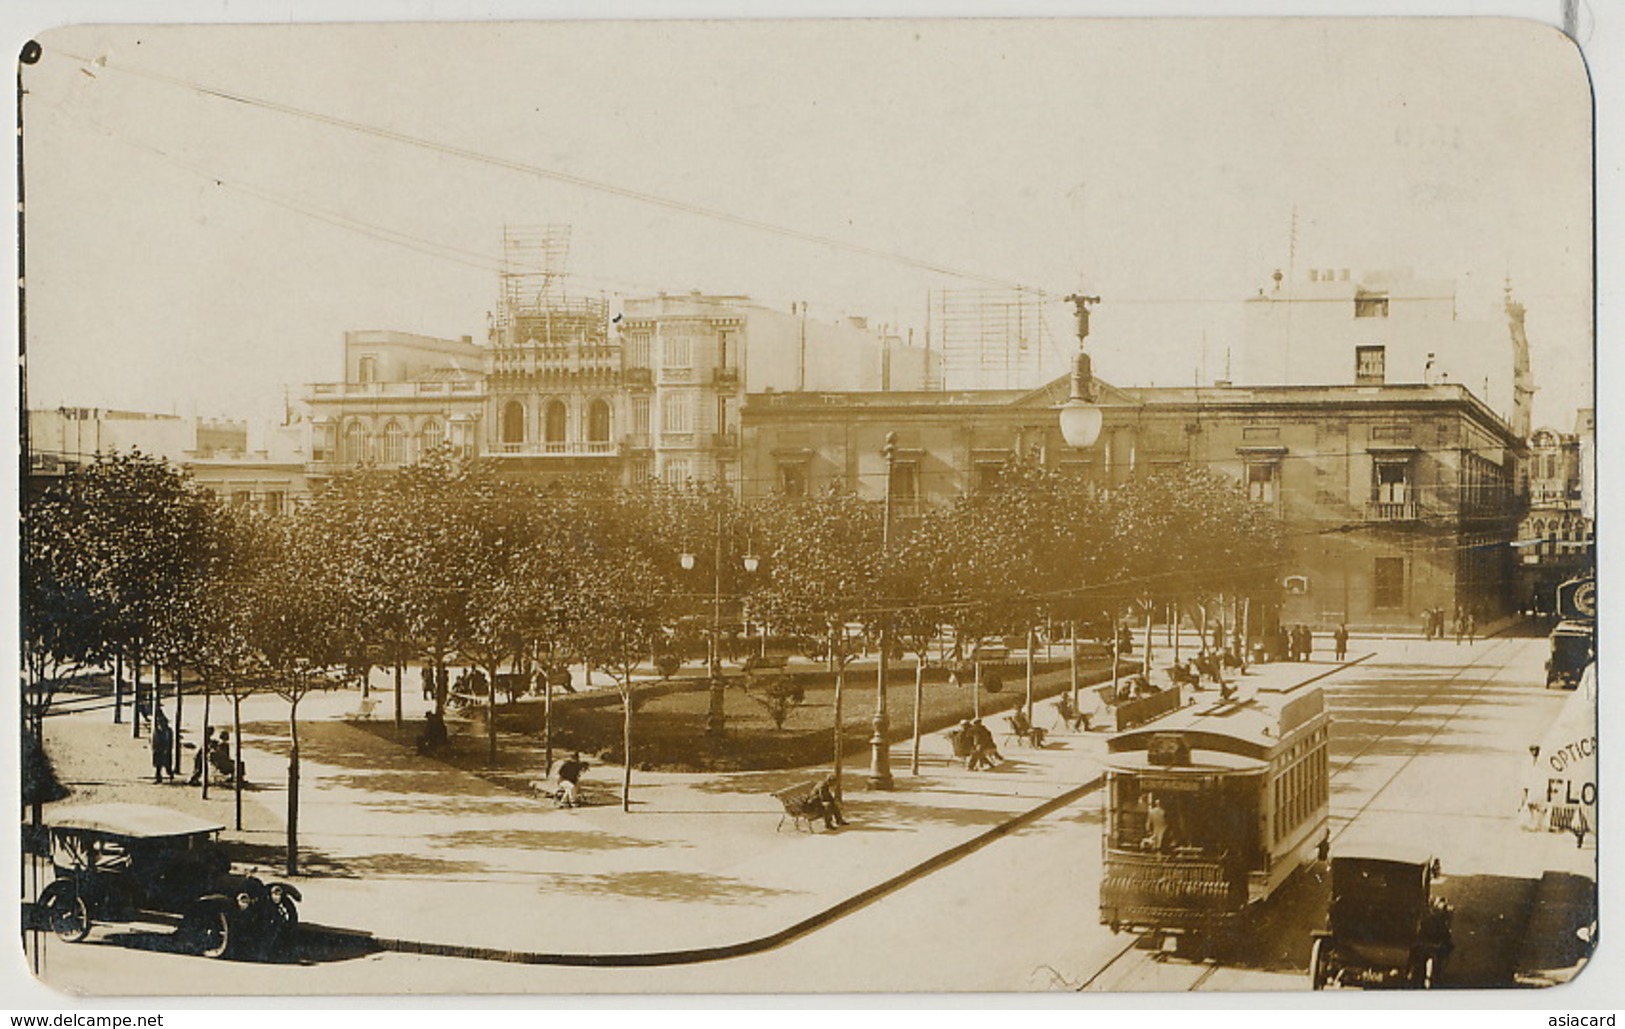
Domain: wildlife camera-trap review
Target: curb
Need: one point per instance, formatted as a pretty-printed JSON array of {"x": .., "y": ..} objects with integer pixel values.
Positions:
[{"x": 697, "y": 955}]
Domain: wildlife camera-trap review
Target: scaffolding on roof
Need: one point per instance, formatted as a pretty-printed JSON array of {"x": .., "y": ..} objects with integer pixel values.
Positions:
[
  {"x": 989, "y": 338},
  {"x": 534, "y": 308}
]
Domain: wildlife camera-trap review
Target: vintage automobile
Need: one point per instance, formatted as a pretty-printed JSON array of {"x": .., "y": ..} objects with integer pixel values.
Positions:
[
  {"x": 1573, "y": 647},
  {"x": 136, "y": 863},
  {"x": 1386, "y": 927}
]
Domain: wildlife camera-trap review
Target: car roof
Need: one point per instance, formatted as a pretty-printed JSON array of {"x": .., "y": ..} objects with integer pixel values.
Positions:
[
  {"x": 139, "y": 820},
  {"x": 1381, "y": 850}
]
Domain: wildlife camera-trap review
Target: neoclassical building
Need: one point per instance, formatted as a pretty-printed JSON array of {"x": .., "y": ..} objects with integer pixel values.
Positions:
[{"x": 1396, "y": 498}]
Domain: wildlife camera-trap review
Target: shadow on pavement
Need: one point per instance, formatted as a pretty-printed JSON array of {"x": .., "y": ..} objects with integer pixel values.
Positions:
[
  {"x": 653, "y": 884},
  {"x": 566, "y": 841},
  {"x": 313, "y": 945}
]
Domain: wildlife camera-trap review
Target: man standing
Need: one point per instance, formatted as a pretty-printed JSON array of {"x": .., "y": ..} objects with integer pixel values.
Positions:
[
  {"x": 163, "y": 747},
  {"x": 570, "y": 781},
  {"x": 1341, "y": 639}
]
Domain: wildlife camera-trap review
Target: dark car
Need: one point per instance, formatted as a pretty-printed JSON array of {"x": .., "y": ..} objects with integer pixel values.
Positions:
[
  {"x": 135, "y": 863},
  {"x": 1386, "y": 927},
  {"x": 1573, "y": 647}
]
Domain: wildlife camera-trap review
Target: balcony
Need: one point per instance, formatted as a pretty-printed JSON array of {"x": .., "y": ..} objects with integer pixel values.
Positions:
[
  {"x": 639, "y": 376},
  {"x": 1393, "y": 511},
  {"x": 724, "y": 378},
  {"x": 637, "y": 441},
  {"x": 559, "y": 448},
  {"x": 725, "y": 441},
  {"x": 392, "y": 390}
]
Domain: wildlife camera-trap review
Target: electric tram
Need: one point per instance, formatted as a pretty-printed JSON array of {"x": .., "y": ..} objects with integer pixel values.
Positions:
[{"x": 1210, "y": 808}]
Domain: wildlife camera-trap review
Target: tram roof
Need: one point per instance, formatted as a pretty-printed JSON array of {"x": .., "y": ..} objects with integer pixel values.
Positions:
[
  {"x": 1256, "y": 723},
  {"x": 1210, "y": 762}
]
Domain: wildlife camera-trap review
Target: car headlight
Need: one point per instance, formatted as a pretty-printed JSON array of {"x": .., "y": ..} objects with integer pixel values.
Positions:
[
  {"x": 276, "y": 894},
  {"x": 244, "y": 901}
]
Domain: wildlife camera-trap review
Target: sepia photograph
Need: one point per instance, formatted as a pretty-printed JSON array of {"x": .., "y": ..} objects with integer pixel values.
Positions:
[{"x": 810, "y": 506}]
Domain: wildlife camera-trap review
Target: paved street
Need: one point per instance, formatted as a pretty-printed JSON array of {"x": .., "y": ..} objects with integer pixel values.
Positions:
[{"x": 1430, "y": 741}]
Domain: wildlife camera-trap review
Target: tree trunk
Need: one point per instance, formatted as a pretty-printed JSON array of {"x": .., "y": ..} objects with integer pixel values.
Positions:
[
  {"x": 976, "y": 689},
  {"x": 203, "y": 744},
  {"x": 293, "y": 788},
  {"x": 1032, "y": 642},
  {"x": 399, "y": 671},
  {"x": 1072, "y": 644},
  {"x": 491, "y": 715},
  {"x": 180, "y": 690},
  {"x": 1117, "y": 656},
  {"x": 547, "y": 726},
  {"x": 135, "y": 699},
  {"x": 626, "y": 743},
  {"x": 1150, "y": 611},
  {"x": 118, "y": 689},
  {"x": 237, "y": 756},
  {"x": 840, "y": 685},
  {"x": 1175, "y": 623},
  {"x": 919, "y": 684}
]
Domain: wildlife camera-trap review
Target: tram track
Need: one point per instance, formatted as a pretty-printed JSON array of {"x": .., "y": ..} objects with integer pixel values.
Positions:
[{"x": 1477, "y": 663}]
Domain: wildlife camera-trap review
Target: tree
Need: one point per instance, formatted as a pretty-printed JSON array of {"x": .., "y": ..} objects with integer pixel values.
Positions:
[
  {"x": 620, "y": 602},
  {"x": 823, "y": 571},
  {"x": 1183, "y": 532},
  {"x": 297, "y": 627}
]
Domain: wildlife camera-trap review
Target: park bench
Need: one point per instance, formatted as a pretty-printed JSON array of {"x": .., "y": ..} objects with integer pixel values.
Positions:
[
  {"x": 1029, "y": 734},
  {"x": 364, "y": 709},
  {"x": 797, "y": 803},
  {"x": 766, "y": 662}
]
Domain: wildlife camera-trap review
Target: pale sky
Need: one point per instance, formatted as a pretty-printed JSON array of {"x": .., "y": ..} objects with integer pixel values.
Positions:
[{"x": 192, "y": 253}]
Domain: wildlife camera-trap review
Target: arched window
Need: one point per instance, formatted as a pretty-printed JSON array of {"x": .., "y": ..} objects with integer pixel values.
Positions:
[
  {"x": 555, "y": 421},
  {"x": 598, "y": 421},
  {"x": 430, "y": 437},
  {"x": 355, "y": 443},
  {"x": 394, "y": 443},
  {"x": 513, "y": 422}
]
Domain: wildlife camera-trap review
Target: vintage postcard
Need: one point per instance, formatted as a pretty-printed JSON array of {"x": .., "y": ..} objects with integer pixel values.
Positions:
[{"x": 639, "y": 507}]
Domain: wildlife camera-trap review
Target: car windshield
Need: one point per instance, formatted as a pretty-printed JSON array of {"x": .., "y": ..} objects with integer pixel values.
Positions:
[{"x": 84, "y": 851}]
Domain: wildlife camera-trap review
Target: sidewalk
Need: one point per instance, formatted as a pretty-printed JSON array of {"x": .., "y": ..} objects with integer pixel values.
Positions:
[{"x": 408, "y": 849}]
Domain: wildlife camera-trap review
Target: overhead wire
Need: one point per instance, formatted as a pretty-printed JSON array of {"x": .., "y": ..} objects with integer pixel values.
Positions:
[{"x": 552, "y": 174}]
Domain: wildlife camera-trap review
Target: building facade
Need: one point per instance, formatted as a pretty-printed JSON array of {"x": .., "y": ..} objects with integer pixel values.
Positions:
[
  {"x": 1334, "y": 326},
  {"x": 566, "y": 386},
  {"x": 1396, "y": 498},
  {"x": 1556, "y": 541}
]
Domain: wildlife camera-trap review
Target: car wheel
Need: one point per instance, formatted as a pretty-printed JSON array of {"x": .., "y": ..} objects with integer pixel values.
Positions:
[
  {"x": 1317, "y": 964},
  {"x": 70, "y": 918},
  {"x": 216, "y": 934},
  {"x": 284, "y": 922}
]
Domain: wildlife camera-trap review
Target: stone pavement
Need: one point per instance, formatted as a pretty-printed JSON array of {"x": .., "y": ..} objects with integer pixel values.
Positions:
[{"x": 409, "y": 849}]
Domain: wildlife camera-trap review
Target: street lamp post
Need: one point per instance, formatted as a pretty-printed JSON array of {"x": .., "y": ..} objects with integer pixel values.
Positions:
[
  {"x": 715, "y": 714},
  {"x": 880, "y": 777}
]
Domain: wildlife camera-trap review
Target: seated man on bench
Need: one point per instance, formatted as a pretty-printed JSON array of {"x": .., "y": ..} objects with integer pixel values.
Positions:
[
  {"x": 822, "y": 803},
  {"x": 1023, "y": 729}
]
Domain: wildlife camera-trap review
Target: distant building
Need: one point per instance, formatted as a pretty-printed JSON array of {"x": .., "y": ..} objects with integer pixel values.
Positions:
[
  {"x": 403, "y": 395},
  {"x": 269, "y": 472},
  {"x": 1556, "y": 540},
  {"x": 1331, "y": 326},
  {"x": 1396, "y": 498},
  {"x": 63, "y": 437},
  {"x": 563, "y": 386}
]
